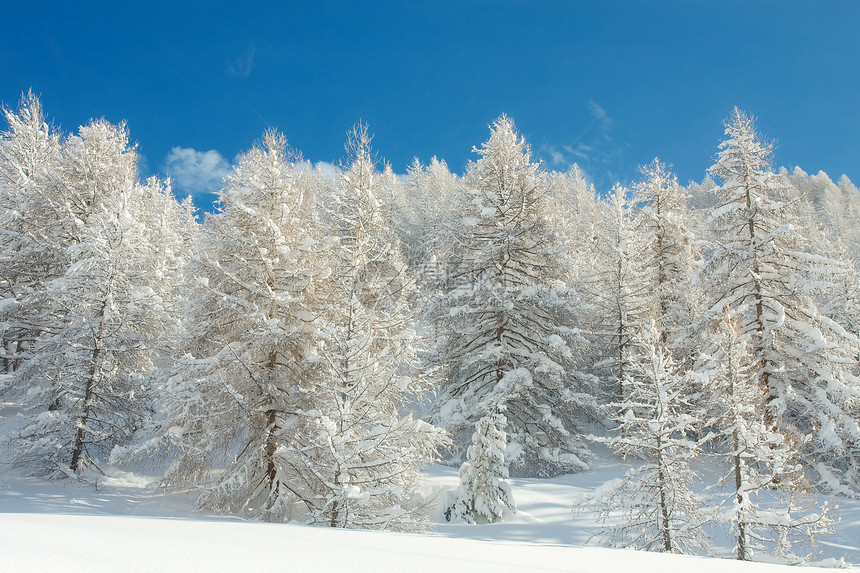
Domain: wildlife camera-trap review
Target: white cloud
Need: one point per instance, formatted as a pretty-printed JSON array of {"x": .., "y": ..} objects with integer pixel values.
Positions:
[
  {"x": 195, "y": 171},
  {"x": 599, "y": 114},
  {"x": 556, "y": 157},
  {"x": 593, "y": 149},
  {"x": 242, "y": 67},
  {"x": 580, "y": 150}
]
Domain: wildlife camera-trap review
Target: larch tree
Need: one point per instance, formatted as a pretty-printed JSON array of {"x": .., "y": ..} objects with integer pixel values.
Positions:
[
  {"x": 671, "y": 253},
  {"x": 761, "y": 267},
  {"x": 301, "y": 357},
  {"x": 656, "y": 424},
  {"x": 503, "y": 307},
  {"x": 576, "y": 215},
  {"x": 619, "y": 286},
  {"x": 833, "y": 206},
  {"x": 365, "y": 452},
  {"x": 576, "y": 220},
  {"x": 85, "y": 384},
  {"x": 772, "y": 506},
  {"x": 430, "y": 192},
  {"x": 30, "y": 256},
  {"x": 238, "y": 397}
]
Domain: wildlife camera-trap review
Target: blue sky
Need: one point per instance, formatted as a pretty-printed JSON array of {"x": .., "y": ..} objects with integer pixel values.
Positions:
[{"x": 608, "y": 84}]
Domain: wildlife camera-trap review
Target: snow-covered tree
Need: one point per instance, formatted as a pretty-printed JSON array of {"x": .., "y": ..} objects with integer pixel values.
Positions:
[
  {"x": 619, "y": 287},
  {"x": 659, "y": 510},
  {"x": 84, "y": 386},
  {"x": 30, "y": 254},
  {"x": 831, "y": 217},
  {"x": 577, "y": 218},
  {"x": 771, "y": 507},
  {"x": 365, "y": 452},
  {"x": 670, "y": 247},
  {"x": 835, "y": 207},
  {"x": 239, "y": 395},
  {"x": 430, "y": 191},
  {"x": 761, "y": 267},
  {"x": 303, "y": 355},
  {"x": 504, "y": 307},
  {"x": 483, "y": 495}
]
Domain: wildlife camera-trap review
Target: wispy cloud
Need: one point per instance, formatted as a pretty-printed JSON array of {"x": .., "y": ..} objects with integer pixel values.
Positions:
[
  {"x": 196, "y": 172},
  {"x": 594, "y": 148},
  {"x": 243, "y": 66},
  {"x": 579, "y": 150},
  {"x": 552, "y": 152},
  {"x": 600, "y": 115}
]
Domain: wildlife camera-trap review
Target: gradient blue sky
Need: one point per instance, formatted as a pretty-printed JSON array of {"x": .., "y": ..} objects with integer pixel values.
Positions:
[{"x": 609, "y": 84}]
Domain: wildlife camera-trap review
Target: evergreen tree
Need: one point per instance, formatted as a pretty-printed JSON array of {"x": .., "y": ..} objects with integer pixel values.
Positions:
[
  {"x": 483, "y": 495},
  {"x": 660, "y": 511},
  {"x": 761, "y": 268},
  {"x": 771, "y": 506},
  {"x": 365, "y": 453},
  {"x": 504, "y": 307},
  {"x": 84, "y": 386}
]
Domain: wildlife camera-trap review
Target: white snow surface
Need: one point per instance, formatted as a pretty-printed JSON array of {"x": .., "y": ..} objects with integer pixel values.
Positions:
[{"x": 124, "y": 526}]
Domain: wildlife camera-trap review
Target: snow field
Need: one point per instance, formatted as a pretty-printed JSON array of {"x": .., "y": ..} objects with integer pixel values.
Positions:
[{"x": 124, "y": 526}]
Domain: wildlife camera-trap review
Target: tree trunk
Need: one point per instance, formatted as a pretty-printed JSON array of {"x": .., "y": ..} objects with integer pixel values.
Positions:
[
  {"x": 335, "y": 508},
  {"x": 759, "y": 320},
  {"x": 664, "y": 502},
  {"x": 742, "y": 529},
  {"x": 78, "y": 451},
  {"x": 271, "y": 446}
]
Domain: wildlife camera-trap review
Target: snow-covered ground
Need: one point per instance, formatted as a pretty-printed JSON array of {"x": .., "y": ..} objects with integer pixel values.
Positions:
[{"x": 123, "y": 526}]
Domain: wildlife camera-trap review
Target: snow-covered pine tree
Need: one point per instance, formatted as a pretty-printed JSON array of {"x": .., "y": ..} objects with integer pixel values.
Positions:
[
  {"x": 771, "y": 507},
  {"x": 483, "y": 495},
  {"x": 835, "y": 207},
  {"x": 577, "y": 221},
  {"x": 671, "y": 253},
  {"x": 659, "y": 510},
  {"x": 84, "y": 386},
  {"x": 241, "y": 394},
  {"x": 504, "y": 307},
  {"x": 30, "y": 255},
  {"x": 760, "y": 266},
  {"x": 430, "y": 190},
  {"x": 619, "y": 286},
  {"x": 362, "y": 452}
]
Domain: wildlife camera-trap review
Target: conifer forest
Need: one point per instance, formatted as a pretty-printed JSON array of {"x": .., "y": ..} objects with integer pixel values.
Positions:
[{"x": 305, "y": 350}]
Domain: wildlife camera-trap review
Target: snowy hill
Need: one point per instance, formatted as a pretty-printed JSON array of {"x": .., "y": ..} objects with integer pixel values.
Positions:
[
  {"x": 123, "y": 526},
  {"x": 42, "y": 542}
]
